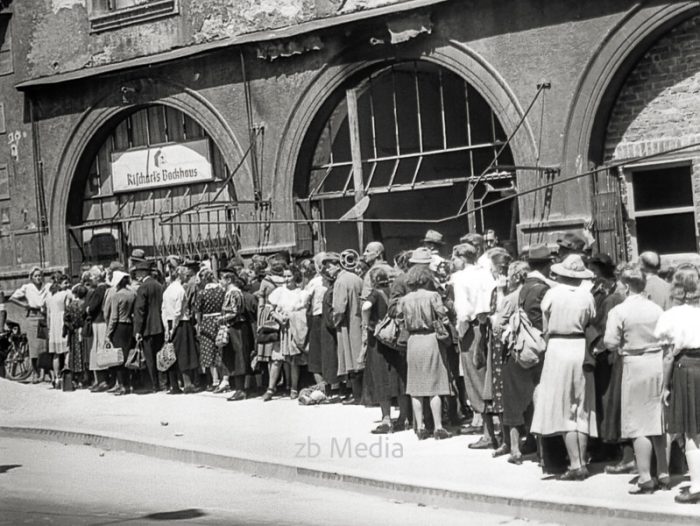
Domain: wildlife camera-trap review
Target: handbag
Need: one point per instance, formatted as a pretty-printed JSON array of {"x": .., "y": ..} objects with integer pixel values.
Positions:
[
  {"x": 222, "y": 336},
  {"x": 268, "y": 327},
  {"x": 441, "y": 331},
  {"x": 42, "y": 329},
  {"x": 108, "y": 356},
  {"x": 388, "y": 332},
  {"x": 136, "y": 359},
  {"x": 528, "y": 343},
  {"x": 166, "y": 357}
]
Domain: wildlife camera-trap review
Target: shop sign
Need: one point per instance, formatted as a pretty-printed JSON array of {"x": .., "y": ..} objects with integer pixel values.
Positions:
[{"x": 169, "y": 165}]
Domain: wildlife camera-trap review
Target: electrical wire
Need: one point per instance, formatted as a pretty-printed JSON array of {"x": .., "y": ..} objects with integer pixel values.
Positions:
[{"x": 465, "y": 212}]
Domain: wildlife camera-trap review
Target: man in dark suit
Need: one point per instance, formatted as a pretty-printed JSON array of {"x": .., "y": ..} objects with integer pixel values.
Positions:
[{"x": 148, "y": 327}]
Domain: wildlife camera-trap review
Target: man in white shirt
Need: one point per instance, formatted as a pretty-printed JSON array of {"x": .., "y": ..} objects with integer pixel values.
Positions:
[{"x": 473, "y": 287}]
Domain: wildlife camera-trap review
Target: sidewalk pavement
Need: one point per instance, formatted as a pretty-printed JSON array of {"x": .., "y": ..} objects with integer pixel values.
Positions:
[{"x": 329, "y": 445}]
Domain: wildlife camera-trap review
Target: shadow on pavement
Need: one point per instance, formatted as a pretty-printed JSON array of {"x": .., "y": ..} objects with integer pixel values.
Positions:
[
  {"x": 7, "y": 467},
  {"x": 178, "y": 515}
]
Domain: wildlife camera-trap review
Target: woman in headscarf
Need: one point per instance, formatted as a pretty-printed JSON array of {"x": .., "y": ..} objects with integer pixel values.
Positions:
[
  {"x": 565, "y": 399},
  {"x": 32, "y": 296}
]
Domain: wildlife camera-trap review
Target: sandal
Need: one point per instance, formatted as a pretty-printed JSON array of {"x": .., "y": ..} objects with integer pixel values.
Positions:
[
  {"x": 515, "y": 459},
  {"x": 268, "y": 395},
  {"x": 293, "y": 394},
  {"x": 500, "y": 451},
  {"x": 383, "y": 429}
]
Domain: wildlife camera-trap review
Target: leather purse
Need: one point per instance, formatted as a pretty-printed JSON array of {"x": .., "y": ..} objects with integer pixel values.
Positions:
[{"x": 136, "y": 361}]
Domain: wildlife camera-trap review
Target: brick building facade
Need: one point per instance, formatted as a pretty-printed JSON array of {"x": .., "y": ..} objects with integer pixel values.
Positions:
[{"x": 307, "y": 107}]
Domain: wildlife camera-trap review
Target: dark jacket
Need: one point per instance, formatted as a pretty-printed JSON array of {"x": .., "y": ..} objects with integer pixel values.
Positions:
[
  {"x": 94, "y": 303},
  {"x": 530, "y": 300},
  {"x": 147, "y": 307}
]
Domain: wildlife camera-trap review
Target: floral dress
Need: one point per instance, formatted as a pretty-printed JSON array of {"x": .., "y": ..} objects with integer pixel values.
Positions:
[
  {"x": 74, "y": 320},
  {"x": 209, "y": 304}
]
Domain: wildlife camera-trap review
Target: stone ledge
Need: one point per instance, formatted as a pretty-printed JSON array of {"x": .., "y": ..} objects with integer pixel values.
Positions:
[{"x": 534, "y": 507}]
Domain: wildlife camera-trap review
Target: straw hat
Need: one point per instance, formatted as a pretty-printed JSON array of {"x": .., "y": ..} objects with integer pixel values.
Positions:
[
  {"x": 572, "y": 267},
  {"x": 433, "y": 236},
  {"x": 421, "y": 256}
]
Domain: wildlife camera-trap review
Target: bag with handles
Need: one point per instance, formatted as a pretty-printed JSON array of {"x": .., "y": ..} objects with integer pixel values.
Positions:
[{"x": 109, "y": 356}]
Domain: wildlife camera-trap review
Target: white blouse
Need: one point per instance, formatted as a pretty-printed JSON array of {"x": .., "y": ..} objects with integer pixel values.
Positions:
[
  {"x": 35, "y": 298},
  {"x": 173, "y": 304},
  {"x": 679, "y": 326}
]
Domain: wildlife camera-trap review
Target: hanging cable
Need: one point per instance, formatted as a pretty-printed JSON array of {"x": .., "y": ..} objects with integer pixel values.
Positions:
[
  {"x": 475, "y": 209},
  {"x": 472, "y": 187}
]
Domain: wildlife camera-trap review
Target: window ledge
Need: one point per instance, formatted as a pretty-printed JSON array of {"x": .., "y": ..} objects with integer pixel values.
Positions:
[{"x": 132, "y": 15}]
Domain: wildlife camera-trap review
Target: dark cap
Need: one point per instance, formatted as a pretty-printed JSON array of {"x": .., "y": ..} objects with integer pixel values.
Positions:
[
  {"x": 191, "y": 264},
  {"x": 144, "y": 265},
  {"x": 539, "y": 252},
  {"x": 572, "y": 241}
]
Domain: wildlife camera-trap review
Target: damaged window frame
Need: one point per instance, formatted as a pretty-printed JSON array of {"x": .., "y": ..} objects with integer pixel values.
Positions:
[
  {"x": 104, "y": 15},
  {"x": 629, "y": 171}
]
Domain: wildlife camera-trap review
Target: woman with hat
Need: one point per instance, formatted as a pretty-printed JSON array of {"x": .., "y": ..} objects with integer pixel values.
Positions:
[
  {"x": 679, "y": 331},
  {"x": 32, "y": 296},
  {"x": 120, "y": 327},
  {"x": 565, "y": 398},
  {"x": 347, "y": 318},
  {"x": 529, "y": 287}
]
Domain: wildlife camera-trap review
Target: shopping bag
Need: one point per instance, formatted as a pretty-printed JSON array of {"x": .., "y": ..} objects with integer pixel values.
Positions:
[
  {"x": 108, "y": 356},
  {"x": 136, "y": 360},
  {"x": 166, "y": 357}
]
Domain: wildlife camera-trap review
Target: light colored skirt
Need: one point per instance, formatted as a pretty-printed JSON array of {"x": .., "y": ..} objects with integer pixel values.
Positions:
[
  {"x": 565, "y": 398},
  {"x": 641, "y": 395},
  {"x": 427, "y": 373},
  {"x": 30, "y": 327},
  {"x": 99, "y": 335}
]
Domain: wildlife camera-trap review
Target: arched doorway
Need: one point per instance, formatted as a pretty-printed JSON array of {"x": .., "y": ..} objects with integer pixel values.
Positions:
[
  {"x": 652, "y": 136},
  {"x": 141, "y": 167},
  {"x": 421, "y": 137}
]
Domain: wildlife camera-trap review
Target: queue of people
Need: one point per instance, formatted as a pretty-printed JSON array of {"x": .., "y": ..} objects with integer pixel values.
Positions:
[{"x": 556, "y": 356}]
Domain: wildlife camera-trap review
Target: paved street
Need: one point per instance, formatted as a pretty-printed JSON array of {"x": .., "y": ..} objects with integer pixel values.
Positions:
[{"x": 47, "y": 483}]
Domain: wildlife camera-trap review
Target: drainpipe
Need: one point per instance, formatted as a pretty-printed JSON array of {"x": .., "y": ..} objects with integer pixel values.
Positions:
[{"x": 38, "y": 181}]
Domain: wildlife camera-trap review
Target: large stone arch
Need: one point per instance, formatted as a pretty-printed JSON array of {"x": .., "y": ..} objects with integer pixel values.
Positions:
[
  {"x": 349, "y": 64},
  {"x": 112, "y": 107},
  {"x": 604, "y": 75}
]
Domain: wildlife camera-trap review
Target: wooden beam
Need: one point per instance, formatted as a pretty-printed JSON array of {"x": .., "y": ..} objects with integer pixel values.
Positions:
[{"x": 356, "y": 155}]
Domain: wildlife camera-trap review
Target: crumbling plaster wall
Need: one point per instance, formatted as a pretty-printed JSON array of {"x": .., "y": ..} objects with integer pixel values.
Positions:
[{"x": 57, "y": 37}]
